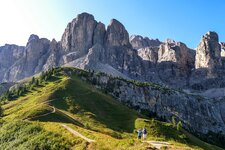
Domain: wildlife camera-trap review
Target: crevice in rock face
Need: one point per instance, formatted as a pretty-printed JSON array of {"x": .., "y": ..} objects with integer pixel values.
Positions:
[{"x": 93, "y": 35}]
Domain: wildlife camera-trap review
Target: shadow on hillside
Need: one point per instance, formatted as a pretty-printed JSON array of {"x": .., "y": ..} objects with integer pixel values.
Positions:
[
  {"x": 77, "y": 97},
  {"x": 58, "y": 117}
]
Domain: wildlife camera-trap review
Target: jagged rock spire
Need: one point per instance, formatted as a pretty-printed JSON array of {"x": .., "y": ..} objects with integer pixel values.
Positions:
[{"x": 208, "y": 53}]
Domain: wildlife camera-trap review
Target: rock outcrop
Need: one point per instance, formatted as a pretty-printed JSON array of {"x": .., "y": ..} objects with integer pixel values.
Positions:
[
  {"x": 208, "y": 53},
  {"x": 116, "y": 35},
  {"x": 9, "y": 55},
  {"x": 198, "y": 114},
  {"x": 209, "y": 65},
  {"x": 78, "y": 35},
  {"x": 38, "y": 55},
  {"x": 139, "y": 42},
  {"x": 175, "y": 62}
]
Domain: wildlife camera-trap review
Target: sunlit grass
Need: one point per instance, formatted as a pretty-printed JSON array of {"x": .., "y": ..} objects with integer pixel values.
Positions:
[{"x": 93, "y": 114}]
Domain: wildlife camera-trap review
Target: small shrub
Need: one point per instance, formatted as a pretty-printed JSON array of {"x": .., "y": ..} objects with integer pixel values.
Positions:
[
  {"x": 183, "y": 136},
  {"x": 1, "y": 111},
  {"x": 87, "y": 126}
]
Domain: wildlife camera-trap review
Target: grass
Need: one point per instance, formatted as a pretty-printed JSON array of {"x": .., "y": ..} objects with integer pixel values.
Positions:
[
  {"x": 90, "y": 112},
  {"x": 22, "y": 135}
]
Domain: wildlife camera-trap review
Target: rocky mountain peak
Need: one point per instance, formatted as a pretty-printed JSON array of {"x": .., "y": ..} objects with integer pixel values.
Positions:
[
  {"x": 116, "y": 34},
  {"x": 78, "y": 34},
  {"x": 139, "y": 42},
  {"x": 33, "y": 37},
  {"x": 87, "y": 42},
  {"x": 54, "y": 41},
  {"x": 170, "y": 41},
  {"x": 212, "y": 36},
  {"x": 84, "y": 15},
  {"x": 208, "y": 53},
  {"x": 174, "y": 51}
]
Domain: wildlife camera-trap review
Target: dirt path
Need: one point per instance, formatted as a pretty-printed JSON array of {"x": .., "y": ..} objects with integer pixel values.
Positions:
[
  {"x": 158, "y": 144},
  {"x": 53, "y": 110},
  {"x": 77, "y": 134}
]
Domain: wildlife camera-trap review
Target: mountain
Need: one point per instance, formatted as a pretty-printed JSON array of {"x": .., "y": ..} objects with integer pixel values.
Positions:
[
  {"x": 166, "y": 79},
  {"x": 72, "y": 98},
  {"x": 88, "y": 44}
]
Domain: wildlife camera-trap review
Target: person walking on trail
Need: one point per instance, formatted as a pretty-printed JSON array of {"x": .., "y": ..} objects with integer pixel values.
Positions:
[
  {"x": 144, "y": 131},
  {"x": 139, "y": 133}
]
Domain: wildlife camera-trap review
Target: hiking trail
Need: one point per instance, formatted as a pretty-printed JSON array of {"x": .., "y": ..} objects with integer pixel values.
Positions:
[{"x": 77, "y": 133}]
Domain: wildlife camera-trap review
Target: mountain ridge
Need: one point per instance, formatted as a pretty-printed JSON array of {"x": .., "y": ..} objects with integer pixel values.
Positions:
[{"x": 88, "y": 44}]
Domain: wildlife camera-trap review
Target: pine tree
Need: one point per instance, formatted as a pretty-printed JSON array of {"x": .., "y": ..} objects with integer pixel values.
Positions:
[
  {"x": 1, "y": 111},
  {"x": 33, "y": 80},
  {"x": 36, "y": 82},
  {"x": 42, "y": 76},
  {"x": 179, "y": 125}
]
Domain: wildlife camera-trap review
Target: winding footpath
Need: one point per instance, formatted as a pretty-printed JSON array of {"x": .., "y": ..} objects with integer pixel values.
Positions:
[
  {"x": 63, "y": 125},
  {"x": 53, "y": 110},
  {"x": 157, "y": 144},
  {"x": 77, "y": 133}
]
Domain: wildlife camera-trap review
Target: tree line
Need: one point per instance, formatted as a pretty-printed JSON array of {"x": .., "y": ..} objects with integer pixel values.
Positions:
[{"x": 21, "y": 90}]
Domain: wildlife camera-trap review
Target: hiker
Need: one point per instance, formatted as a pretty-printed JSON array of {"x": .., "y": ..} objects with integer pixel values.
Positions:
[
  {"x": 144, "y": 131},
  {"x": 139, "y": 132}
]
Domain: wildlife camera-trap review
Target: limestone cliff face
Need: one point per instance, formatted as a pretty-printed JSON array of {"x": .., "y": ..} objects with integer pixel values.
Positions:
[
  {"x": 208, "y": 53},
  {"x": 36, "y": 57},
  {"x": 79, "y": 34},
  {"x": 116, "y": 35},
  {"x": 110, "y": 50},
  {"x": 209, "y": 65},
  {"x": 197, "y": 113},
  {"x": 118, "y": 51},
  {"x": 52, "y": 57},
  {"x": 9, "y": 55}
]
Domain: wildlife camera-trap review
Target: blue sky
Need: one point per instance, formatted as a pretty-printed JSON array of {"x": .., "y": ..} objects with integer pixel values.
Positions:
[{"x": 181, "y": 20}]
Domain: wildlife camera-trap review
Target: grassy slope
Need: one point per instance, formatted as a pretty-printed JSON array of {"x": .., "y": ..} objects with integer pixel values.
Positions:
[{"x": 89, "y": 112}]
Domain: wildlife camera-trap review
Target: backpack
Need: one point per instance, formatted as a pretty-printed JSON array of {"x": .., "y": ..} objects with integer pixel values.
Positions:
[{"x": 144, "y": 131}]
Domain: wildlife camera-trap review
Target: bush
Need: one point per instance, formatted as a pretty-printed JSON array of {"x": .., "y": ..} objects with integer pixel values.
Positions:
[{"x": 174, "y": 122}]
